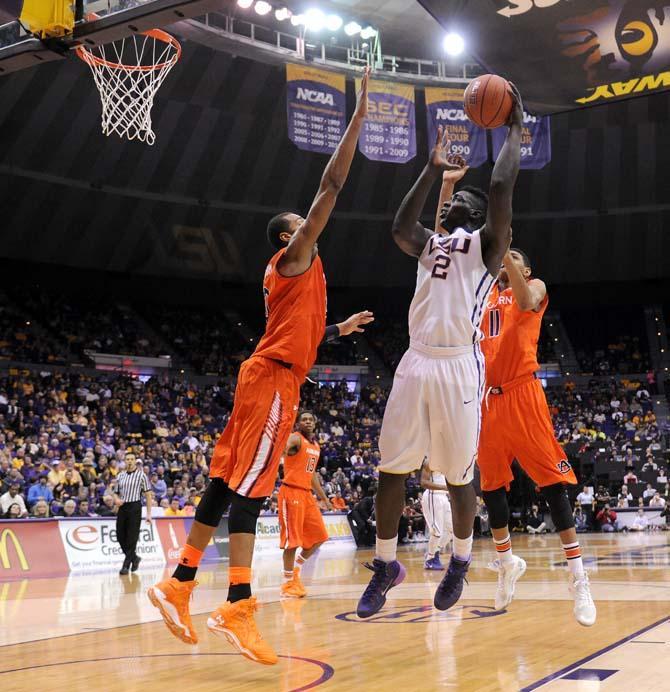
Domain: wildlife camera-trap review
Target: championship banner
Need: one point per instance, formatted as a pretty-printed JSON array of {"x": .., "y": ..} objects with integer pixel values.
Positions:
[
  {"x": 564, "y": 54},
  {"x": 445, "y": 107},
  {"x": 316, "y": 108},
  {"x": 30, "y": 549},
  {"x": 389, "y": 131},
  {"x": 92, "y": 545},
  {"x": 535, "y": 141}
]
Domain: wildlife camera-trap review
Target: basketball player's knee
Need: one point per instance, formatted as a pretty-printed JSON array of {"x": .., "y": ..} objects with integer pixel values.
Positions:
[
  {"x": 559, "y": 506},
  {"x": 244, "y": 512},
  {"x": 214, "y": 503},
  {"x": 496, "y": 503}
]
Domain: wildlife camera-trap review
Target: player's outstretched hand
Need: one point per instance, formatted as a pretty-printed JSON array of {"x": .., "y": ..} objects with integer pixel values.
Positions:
[
  {"x": 453, "y": 175},
  {"x": 362, "y": 96},
  {"x": 356, "y": 322},
  {"x": 516, "y": 115},
  {"x": 440, "y": 158}
]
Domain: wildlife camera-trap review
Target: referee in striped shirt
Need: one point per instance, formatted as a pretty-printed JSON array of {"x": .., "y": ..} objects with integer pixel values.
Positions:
[{"x": 130, "y": 484}]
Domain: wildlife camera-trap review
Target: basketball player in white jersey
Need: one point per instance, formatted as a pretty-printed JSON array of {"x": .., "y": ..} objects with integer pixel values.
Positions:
[
  {"x": 434, "y": 408},
  {"x": 437, "y": 513}
]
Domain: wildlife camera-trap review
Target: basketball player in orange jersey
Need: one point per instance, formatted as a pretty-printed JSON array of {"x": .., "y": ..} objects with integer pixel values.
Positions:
[
  {"x": 300, "y": 521},
  {"x": 246, "y": 458},
  {"x": 516, "y": 424}
]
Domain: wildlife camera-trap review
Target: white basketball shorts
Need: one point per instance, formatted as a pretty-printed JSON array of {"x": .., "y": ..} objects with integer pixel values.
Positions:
[
  {"x": 437, "y": 512},
  {"x": 434, "y": 410}
]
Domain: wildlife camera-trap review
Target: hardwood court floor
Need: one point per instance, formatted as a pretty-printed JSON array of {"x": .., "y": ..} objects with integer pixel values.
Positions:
[{"x": 99, "y": 632}]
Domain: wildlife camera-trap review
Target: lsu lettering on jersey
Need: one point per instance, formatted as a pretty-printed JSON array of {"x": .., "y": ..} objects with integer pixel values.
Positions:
[
  {"x": 510, "y": 337},
  {"x": 299, "y": 468},
  {"x": 452, "y": 285},
  {"x": 295, "y": 310}
]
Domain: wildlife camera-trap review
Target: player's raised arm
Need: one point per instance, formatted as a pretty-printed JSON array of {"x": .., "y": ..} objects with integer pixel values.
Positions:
[
  {"x": 293, "y": 444},
  {"x": 497, "y": 233},
  {"x": 449, "y": 180},
  {"x": 298, "y": 255},
  {"x": 528, "y": 294},
  {"x": 410, "y": 236},
  {"x": 353, "y": 323}
]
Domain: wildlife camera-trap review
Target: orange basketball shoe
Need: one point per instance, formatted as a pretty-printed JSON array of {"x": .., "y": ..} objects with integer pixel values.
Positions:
[
  {"x": 294, "y": 588},
  {"x": 236, "y": 622},
  {"x": 171, "y": 597}
]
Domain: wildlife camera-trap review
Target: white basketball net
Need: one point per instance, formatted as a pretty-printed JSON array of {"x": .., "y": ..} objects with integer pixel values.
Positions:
[{"x": 128, "y": 73}]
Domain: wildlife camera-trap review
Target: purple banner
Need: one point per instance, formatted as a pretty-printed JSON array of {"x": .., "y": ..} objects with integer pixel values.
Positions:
[
  {"x": 535, "y": 141},
  {"x": 316, "y": 108},
  {"x": 445, "y": 107},
  {"x": 389, "y": 132}
]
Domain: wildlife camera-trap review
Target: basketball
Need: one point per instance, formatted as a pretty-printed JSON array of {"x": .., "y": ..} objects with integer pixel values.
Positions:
[{"x": 487, "y": 101}]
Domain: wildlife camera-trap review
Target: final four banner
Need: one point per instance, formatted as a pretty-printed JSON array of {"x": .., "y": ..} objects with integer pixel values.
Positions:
[
  {"x": 389, "y": 132},
  {"x": 316, "y": 108},
  {"x": 445, "y": 107},
  {"x": 535, "y": 141}
]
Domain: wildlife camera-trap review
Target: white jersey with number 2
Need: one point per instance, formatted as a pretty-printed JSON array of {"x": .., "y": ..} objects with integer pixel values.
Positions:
[{"x": 434, "y": 408}]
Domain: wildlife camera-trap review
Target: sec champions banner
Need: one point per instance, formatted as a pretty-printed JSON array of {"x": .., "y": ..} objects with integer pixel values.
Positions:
[
  {"x": 535, "y": 141},
  {"x": 316, "y": 108},
  {"x": 445, "y": 107},
  {"x": 565, "y": 54},
  {"x": 389, "y": 131}
]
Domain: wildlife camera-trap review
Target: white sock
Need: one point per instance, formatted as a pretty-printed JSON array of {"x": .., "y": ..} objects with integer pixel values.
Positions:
[
  {"x": 386, "y": 548},
  {"x": 288, "y": 575},
  {"x": 573, "y": 555},
  {"x": 462, "y": 548},
  {"x": 504, "y": 549}
]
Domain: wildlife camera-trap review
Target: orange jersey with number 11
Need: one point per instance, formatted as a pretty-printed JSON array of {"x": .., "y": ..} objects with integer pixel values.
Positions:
[
  {"x": 299, "y": 468},
  {"x": 510, "y": 337}
]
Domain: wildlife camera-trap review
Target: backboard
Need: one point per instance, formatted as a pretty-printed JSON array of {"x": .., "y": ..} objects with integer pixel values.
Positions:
[{"x": 98, "y": 22}]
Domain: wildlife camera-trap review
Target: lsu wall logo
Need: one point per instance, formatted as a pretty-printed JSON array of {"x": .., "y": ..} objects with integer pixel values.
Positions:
[
  {"x": 314, "y": 96},
  {"x": 564, "y": 467},
  {"x": 6, "y": 536}
]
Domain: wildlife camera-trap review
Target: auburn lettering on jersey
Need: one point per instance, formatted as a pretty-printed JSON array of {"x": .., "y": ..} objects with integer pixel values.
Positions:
[
  {"x": 295, "y": 310},
  {"x": 510, "y": 337},
  {"x": 299, "y": 468}
]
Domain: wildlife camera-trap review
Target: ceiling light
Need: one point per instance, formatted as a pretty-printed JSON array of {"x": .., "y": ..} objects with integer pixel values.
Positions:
[
  {"x": 245, "y": 4},
  {"x": 333, "y": 22},
  {"x": 368, "y": 32},
  {"x": 453, "y": 44},
  {"x": 314, "y": 20},
  {"x": 282, "y": 14},
  {"x": 262, "y": 7},
  {"x": 352, "y": 29},
  {"x": 297, "y": 19}
]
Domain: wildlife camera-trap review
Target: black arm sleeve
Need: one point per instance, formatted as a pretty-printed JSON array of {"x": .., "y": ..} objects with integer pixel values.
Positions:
[{"x": 331, "y": 333}]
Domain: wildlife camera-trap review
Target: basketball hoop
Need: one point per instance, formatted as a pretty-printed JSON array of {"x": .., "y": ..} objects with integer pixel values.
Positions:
[{"x": 128, "y": 73}]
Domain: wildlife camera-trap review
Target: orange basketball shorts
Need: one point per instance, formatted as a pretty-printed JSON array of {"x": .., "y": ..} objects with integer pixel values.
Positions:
[
  {"x": 247, "y": 454},
  {"x": 517, "y": 425},
  {"x": 300, "y": 521}
]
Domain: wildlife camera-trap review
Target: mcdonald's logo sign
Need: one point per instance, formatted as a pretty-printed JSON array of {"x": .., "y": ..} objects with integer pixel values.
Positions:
[{"x": 5, "y": 561}]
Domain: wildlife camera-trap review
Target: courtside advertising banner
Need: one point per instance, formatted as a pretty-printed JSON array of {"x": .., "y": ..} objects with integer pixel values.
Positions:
[
  {"x": 30, "y": 549},
  {"x": 91, "y": 545},
  {"x": 316, "y": 108},
  {"x": 389, "y": 131},
  {"x": 565, "y": 54},
  {"x": 445, "y": 107},
  {"x": 535, "y": 141},
  {"x": 267, "y": 533}
]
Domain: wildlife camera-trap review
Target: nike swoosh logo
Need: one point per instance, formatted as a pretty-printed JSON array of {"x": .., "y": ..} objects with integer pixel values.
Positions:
[{"x": 468, "y": 402}]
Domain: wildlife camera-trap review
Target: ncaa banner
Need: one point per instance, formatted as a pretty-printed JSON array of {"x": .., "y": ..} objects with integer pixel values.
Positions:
[
  {"x": 565, "y": 54},
  {"x": 445, "y": 107},
  {"x": 91, "y": 544},
  {"x": 535, "y": 141},
  {"x": 316, "y": 108},
  {"x": 389, "y": 131}
]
